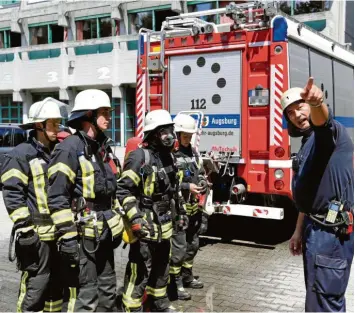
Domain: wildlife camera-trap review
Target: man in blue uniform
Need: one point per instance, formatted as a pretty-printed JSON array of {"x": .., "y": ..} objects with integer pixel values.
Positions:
[{"x": 323, "y": 190}]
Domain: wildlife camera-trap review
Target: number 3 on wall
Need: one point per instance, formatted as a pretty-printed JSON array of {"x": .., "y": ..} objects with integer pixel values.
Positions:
[
  {"x": 52, "y": 77},
  {"x": 104, "y": 72}
]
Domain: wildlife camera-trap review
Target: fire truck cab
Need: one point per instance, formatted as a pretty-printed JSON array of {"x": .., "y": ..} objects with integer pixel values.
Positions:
[{"x": 230, "y": 77}]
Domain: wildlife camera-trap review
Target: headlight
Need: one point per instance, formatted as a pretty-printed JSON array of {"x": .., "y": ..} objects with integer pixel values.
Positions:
[{"x": 279, "y": 174}]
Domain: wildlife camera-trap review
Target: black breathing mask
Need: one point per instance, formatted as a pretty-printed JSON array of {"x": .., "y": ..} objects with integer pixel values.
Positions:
[{"x": 167, "y": 136}]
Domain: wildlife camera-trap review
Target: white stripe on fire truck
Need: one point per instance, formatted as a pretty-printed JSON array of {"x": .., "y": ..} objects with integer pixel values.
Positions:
[
  {"x": 260, "y": 44},
  {"x": 276, "y": 103},
  {"x": 274, "y": 163}
]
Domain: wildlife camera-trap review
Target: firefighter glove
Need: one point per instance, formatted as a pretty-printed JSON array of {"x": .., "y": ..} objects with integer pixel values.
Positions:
[
  {"x": 203, "y": 185},
  {"x": 27, "y": 251},
  {"x": 140, "y": 227},
  {"x": 204, "y": 224},
  {"x": 183, "y": 222},
  {"x": 69, "y": 252}
]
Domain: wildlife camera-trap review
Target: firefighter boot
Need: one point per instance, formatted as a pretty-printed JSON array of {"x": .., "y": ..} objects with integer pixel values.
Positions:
[
  {"x": 189, "y": 280},
  {"x": 194, "y": 284},
  {"x": 176, "y": 289}
]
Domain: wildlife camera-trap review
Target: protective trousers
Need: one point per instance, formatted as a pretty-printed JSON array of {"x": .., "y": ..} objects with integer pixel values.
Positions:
[
  {"x": 40, "y": 288},
  {"x": 147, "y": 270},
  {"x": 193, "y": 243},
  {"x": 327, "y": 262},
  {"x": 92, "y": 285}
]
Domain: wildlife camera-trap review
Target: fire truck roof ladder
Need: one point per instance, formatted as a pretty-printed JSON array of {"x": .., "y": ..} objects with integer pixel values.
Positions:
[
  {"x": 155, "y": 67},
  {"x": 252, "y": 14}
]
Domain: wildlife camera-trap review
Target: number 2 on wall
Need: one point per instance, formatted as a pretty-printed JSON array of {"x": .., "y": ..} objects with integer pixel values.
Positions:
[{"x": 198, "y": 104}]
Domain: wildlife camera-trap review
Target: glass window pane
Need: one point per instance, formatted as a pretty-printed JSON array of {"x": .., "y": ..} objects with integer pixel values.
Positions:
[
  {"x": 139, "y": 20},
  {"x": 14, "y": 113},
  {"x": 203, "y": 7},
  {"x": 5, "y": 113},
  {"x": 117, "y": 123},
  {"x": 105, "y": 27},
  {"x": 160, "y": 16},
  {"x": 117, "y": 139},
  {"x": 39, "y": 35},
  {"x": 89, "y": 29},
  {"x": 304, "y": 7},
  {"x": 129, "y": 122},
  {"x": 2, "y": 40},
  {"x": 57, "y": 33},
  {"x": 285, "y": 6}
]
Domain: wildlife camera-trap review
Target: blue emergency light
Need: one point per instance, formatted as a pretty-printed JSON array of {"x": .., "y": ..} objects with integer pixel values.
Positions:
[{"x": 279, "y": 29}]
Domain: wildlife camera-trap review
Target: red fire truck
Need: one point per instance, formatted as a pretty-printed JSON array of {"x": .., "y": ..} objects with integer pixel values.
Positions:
[{"x": 231, "y": 77}]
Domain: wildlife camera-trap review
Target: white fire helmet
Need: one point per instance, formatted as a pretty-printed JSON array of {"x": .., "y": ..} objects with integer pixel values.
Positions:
[
  {"x": 185, "y": 123},
  {"x": 155, "y": 119},
  {"x": 290, "y": 96}
]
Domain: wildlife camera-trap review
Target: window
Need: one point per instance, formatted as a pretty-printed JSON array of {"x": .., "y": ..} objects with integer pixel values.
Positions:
[
  {"x": 295, "y": 7},
  {"x": 10, "y": 112},
  {"x": 150, "y": 19},
  {"x": 203, "y": 6},
  {"x": 114, "y": 132},
  {"x": 9, "y": 39},
  {"x": 46, "y": 34},
  {"x": 96, "y": 27}
]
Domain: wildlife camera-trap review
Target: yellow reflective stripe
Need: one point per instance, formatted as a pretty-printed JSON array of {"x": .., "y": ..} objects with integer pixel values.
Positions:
[
  {"x": 46, "y": 233},
  {"x": 14, "y": 173},
  {"x": 72, "y": 299},
  {"x": 23, "y": 290},
  {"x": 62, "y": 216},
  {"x": 65, "y": 169},
  {"x": 149, "y": 184},
  {"x": 68, "y": 235},
  {"x": 157, "y": 293},
  {"x": 192, "y": 209},
  {"x": 53, "y": 306},
  {"x": 187, "y": 264},
  {"x": 128, "y": 199},
  {"x": 116, "y": 204},
  {"x": 132, "y": 303},
  {"x": 39, "y": 185},
  {"x": 132, "y": 175},
  {"x": 181, "y": 175},
  {"x": 175, "y": 270},
  {"x": 88, "y": 177},
  {"x": 132, "y": 280},
  {"x": 131, "y": 212},
  {"x": 166, "y": 227},
  {"x": 25, "y": 229},
  {"x": 167, "y": 234},
  {"x": 89, "y": 229},
  {"x": 116, "y": 225},
  {"x": 19, "y": 214}
]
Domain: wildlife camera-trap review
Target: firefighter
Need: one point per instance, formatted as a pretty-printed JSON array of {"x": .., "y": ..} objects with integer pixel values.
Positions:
[
  {"x": 323, "y": 190},
  {"x": 186, "y": 244},
  {"x": 149, "y": 193},
  {"x": 83, "y": 175},
  {"x": 24, "y": 179}
]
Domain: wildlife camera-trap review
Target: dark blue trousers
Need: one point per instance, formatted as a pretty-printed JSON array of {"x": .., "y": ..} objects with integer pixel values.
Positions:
[{"x": 327, "y": 262}]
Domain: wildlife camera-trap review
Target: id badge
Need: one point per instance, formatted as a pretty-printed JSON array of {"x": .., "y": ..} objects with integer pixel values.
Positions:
[{"x": 332, "y": 212}]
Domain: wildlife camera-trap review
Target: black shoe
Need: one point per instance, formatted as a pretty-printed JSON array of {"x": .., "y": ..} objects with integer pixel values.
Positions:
[
  {"x": 195, "y": 284},
  {"x": 182, "y": 294}
]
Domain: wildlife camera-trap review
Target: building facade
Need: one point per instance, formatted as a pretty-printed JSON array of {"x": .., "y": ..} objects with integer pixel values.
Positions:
[{"x": 58, "y": 48}]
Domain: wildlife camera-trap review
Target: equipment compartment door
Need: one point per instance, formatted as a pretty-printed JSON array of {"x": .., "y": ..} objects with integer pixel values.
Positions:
[{"x": 210, "y": 83}]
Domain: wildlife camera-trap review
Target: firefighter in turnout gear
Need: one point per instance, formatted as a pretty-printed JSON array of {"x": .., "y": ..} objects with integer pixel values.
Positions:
[
  {"x": 149, "y": 193},
  {"x": 24, "y": 179},
  {"x": 185, "y": 244},
  {"x": 83, "y": 175}
]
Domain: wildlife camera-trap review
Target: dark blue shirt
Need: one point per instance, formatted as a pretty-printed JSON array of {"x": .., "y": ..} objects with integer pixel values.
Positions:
[{"x": 325, "y": 169}]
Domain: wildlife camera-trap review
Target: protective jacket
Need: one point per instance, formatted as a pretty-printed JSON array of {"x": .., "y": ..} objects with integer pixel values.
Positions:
[
  {"x": 191, "y": 168},
  {"x": 149, "y": 188},
  {"x": 25, "y": 182},
  {"x": 83, "y": 175}
]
